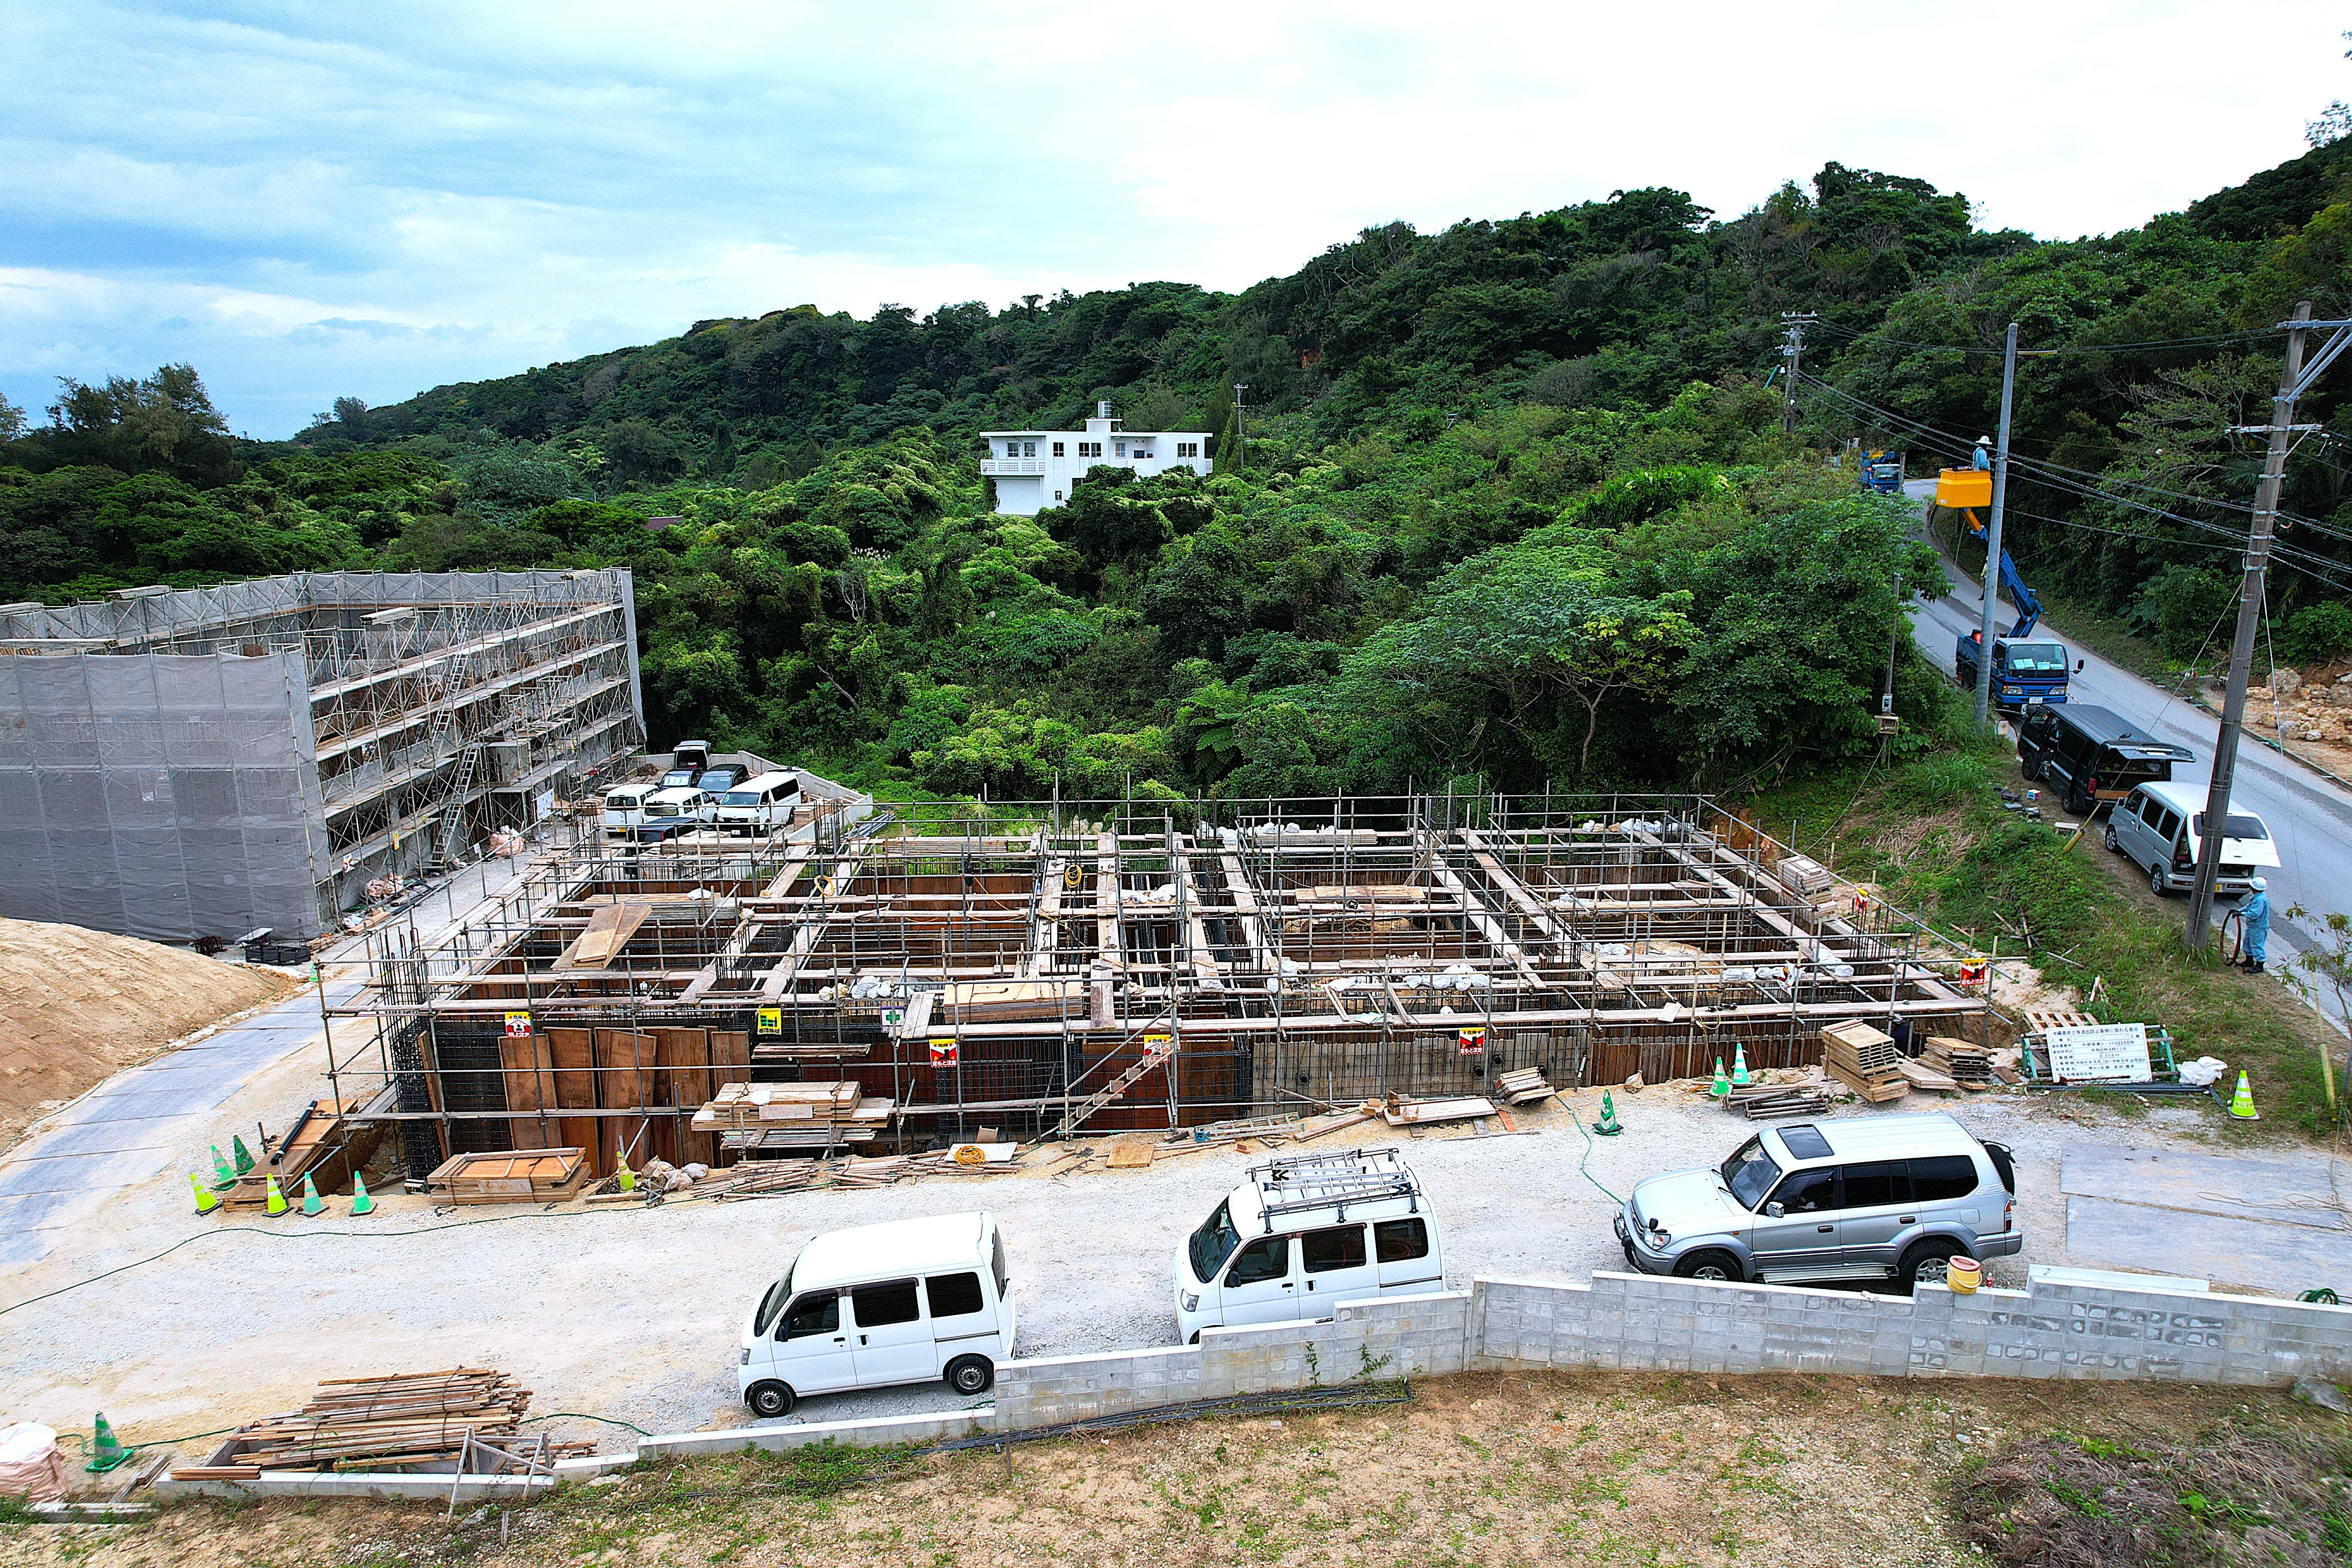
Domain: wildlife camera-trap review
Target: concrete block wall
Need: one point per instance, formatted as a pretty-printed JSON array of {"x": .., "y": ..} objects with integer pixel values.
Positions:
[{"x": 1420, "y": 1336}]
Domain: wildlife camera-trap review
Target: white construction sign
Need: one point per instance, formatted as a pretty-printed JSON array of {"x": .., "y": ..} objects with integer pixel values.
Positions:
[{"x": 2083, "y": 1053}]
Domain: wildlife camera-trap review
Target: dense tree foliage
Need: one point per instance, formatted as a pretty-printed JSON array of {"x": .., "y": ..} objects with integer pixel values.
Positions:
[{"x": 1517, "y": 498}]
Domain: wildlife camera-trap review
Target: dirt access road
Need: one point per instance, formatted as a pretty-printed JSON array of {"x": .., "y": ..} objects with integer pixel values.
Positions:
[{"x": 634, "y": 1314}]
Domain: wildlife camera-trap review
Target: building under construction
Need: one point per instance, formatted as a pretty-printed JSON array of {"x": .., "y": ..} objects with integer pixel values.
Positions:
[
  {"x": 1048, "y": 967},
  {"x": 202, "y": 762}
]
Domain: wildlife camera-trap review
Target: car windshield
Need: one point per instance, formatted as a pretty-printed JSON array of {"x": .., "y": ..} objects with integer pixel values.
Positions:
[
  {"x": 2241, "y": 826},
  {"x": 666, "y": 808},
  {"x": 1749, "y": 1173},
  {"x": 621, "y": 801},
  {"x": 739, "y": 797},
  {"x": 2037, "y": 657},
  {"x": 677, "y": 776},
  {"x": 774, "y": 1302},
  {"x": 1214, "y": 1242}
]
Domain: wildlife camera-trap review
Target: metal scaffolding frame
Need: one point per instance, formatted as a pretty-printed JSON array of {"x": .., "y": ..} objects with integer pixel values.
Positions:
[{"x": 1003, "y": 962}]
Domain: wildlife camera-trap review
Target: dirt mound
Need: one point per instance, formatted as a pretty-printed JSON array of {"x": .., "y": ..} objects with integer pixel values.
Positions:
[{"x": 78, "y": 1006}]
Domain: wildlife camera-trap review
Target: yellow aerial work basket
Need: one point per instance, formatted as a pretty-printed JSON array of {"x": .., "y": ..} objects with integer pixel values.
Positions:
[{"x": 1959, "y": 487}]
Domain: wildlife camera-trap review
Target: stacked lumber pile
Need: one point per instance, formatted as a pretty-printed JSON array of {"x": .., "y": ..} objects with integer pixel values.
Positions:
[
  {"x": 1772, "y": 1102},
  {"x": 1524, "y": 1085},
  {"x": 365, "y": 1422},
  {"x": 787, "y": 1118},
  {"x": 511, "y": 1176},
  {"x": 1863, "y": 1059},
  {"x": 1970, "y": 1066},
  {"x": 1919, "y": 1075},
  {"x": 1405, "y": 1110}
]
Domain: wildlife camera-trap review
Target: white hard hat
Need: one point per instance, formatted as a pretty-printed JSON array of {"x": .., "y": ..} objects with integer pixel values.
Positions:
[
  {"x": 2260, "y": 885},
  {"x": 1984, "y": 440}
]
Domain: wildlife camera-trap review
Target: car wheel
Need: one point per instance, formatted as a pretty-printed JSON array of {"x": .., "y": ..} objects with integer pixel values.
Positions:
[
  {"x": 1195, "y": 1338},
  {"x": 1926, "y": 1261},
  {"x": 2115, "y": 845},
  {"x": 2156, "y": 881},
  {"x": 970, "y": 1374},
  {"x": 770, "y": 1400},
  {"x": 1709, "y": 1265},
  {"x": 2034, "y": 769}
]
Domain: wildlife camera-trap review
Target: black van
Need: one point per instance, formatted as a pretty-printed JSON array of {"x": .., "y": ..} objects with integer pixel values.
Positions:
[{"x": 2091, "y": 757}]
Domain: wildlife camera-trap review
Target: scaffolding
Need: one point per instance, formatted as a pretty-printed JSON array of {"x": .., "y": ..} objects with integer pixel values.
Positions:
[
  {"x": 399, "y": 717},
  {"x": 1006, "y": 965}
]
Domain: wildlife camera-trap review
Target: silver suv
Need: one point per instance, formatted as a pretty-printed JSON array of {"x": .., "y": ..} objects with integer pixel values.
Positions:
[{"x": 1871, "y": 1197}]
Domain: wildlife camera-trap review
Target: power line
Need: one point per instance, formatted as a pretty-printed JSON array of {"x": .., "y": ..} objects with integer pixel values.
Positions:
[{"x": 1858, "y": 336}]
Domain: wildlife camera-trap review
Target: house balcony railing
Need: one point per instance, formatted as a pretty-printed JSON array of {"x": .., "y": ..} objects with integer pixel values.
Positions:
[{"x": 996, "y": 467}]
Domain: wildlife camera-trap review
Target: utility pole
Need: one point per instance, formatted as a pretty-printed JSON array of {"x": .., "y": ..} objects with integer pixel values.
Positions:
[
  {"x": 1893, "y": 650},
  {"x": 1992, "y": 530},
  {"x": 1793, "y": 350},
  {"x": 2294, "y": 380},
  {"x": 1240, "y": 442}
]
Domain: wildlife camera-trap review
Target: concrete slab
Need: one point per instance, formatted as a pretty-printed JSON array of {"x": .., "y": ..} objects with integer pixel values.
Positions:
[
  {"x": 80, "y": 1173},
  {"x": 101, "y": 1137},
  {"x": 2280, "y": 1192},
  {"x": 162, "y": 1096},
  {"x": 2262, "y": 1253}
]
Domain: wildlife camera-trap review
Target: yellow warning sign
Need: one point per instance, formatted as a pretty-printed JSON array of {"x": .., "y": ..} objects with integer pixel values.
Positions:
[
  {"x": 772, "y": 1020},
  {"x": 518, "y": 1023},
  {"x": 1156, "y": 1045},
  {"x": 1472, "y": 1042}
]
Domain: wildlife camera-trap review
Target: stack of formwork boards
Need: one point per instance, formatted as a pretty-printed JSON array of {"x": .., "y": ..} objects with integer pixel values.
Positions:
[
  {"x": 1970, "y": 1066},
  {"x": 1864, "y": 1060},
  {"x": 511, "y": 1176},
  {"x": 789, "y": 1118},
  {"x": 1523, "y": 1086},
  {"x": 404, "y": 1418}
]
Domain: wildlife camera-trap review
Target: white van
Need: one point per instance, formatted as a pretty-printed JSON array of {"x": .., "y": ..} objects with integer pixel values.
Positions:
[
  {"x": 760, "y": 805},
  {"x": 880, "y": 1304},
  {"x": 670, "y": 813},
  {"x": 1301, "y": 1235},
  {"x": 625, "y": 807},
  {"x": 2161, "y": 829}
]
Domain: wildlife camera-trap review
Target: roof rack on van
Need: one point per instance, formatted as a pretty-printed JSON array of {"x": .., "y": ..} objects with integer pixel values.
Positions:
[{"x": 1332, "y": 1181}]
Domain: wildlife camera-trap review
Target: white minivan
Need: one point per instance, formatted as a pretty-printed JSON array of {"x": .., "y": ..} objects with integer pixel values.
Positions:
[
  {"x": 905, "y": 1301},
  {"x": 1301, "y": 1235},
  {"x": 625, "y": 807},
  {"x": 2161, "y": 829},
  {"x": 759, "y": 805}
]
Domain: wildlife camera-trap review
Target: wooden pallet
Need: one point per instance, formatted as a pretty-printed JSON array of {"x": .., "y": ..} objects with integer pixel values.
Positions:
[{"x": 511, "y": 1176}]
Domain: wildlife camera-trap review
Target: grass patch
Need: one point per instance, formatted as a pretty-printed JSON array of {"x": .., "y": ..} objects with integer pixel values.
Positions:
[
  {"x": 1930, "y": 832},
  {"x": 2233, "y": 1496}
]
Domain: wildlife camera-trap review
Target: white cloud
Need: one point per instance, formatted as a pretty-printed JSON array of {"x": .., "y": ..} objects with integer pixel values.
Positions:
[{"x": 307, "y": 202}]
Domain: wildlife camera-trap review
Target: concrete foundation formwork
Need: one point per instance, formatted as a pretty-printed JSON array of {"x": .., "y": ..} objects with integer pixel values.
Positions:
[
  {"x": 207, "y": 762},
  {"x": 997, "y": 966}
]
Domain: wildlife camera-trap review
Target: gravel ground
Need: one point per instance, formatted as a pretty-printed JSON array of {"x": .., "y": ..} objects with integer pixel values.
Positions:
[{"x": 634, "y": 1314}]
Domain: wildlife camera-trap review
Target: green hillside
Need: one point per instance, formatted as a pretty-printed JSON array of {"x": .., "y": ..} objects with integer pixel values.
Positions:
[{"x": 1519, "y": 501}]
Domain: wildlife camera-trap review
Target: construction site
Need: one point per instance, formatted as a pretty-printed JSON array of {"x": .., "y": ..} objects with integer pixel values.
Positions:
[
  {"x": 203, "y": 763},
  {"x": 1042, "y": 969}
]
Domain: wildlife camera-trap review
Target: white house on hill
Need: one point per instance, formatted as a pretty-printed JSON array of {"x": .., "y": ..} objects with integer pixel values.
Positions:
[{"x": 1037, "y": 468}]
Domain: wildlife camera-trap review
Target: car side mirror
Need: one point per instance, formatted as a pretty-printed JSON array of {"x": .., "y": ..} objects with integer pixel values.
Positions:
[
  {"x": 1776, "y": 1211},
  {"x": 2080, "y": 665}
]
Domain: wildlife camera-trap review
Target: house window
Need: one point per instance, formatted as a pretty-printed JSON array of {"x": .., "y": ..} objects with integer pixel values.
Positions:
[
  {"x": 1057, "y": 449},
  {"x": 1057, "y": 495},
  {"x": 1028, "y": 449}
]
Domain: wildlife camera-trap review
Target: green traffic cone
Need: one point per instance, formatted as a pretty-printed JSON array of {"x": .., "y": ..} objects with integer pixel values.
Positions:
[
  {"x": 360, "y": 1203},
  {"x": 1608, "y": 1126},
  {"x": 106, "y": 1451},
  {"x": 275, "y": 1204},
  {"x": 244, "y": 1154},
  {"x": 628, "y": 1177},
  {"x": 1739, "y": 1078},
  {"x": 205, "y": 1201},
  {"x": 1722, "y": 1084},
  {"x": 223, "y": 1176},
  {"x": 311, "y": 1205}
]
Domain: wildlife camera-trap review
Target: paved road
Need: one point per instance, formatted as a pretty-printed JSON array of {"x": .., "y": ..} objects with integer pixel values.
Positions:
[{"x": 2311, "y": 818}]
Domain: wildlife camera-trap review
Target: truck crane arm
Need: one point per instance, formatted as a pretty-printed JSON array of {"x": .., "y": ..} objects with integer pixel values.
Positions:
[{"x": 2029, "y": 605}]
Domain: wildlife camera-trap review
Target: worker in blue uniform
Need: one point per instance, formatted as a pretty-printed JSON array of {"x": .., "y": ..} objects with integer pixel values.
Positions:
[
  {"x": 2254, "y": 946},
  {"x": 1983, "y": 458}
]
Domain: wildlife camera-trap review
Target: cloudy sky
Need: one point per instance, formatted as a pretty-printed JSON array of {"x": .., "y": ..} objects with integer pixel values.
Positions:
[{"x": 305, "y": 201}]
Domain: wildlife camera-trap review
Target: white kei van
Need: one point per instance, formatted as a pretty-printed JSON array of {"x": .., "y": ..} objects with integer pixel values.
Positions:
[
  {"x": 1301, "y": 1235},
  {"x": 880, "y": 1304},
  {"x": 759, "y": 805},
  {"x": 625, "y": 807},
  {"x": 2161, "y": 829}
]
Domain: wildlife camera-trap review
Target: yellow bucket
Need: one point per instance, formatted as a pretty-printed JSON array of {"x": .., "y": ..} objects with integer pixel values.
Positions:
[
  {"x": 1964, "y": 1276},
  {"x": 1962, "y": 488}
]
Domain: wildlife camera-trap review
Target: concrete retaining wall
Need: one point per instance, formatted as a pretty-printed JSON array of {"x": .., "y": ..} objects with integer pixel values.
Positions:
[{"x": 2075, "y": 1328}]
